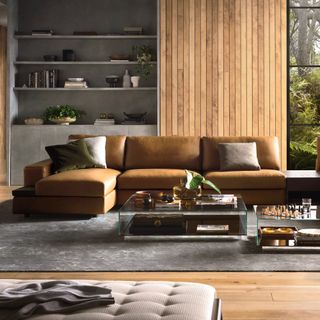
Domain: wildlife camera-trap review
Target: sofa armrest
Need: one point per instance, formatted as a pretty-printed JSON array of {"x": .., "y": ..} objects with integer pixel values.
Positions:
[{"x": 37, "y": 171}]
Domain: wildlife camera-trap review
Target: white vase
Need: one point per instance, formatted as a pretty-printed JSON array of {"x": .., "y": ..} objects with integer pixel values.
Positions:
[
  {"x": 126, "y": 82},
  {"x": 135, "y": 81}
]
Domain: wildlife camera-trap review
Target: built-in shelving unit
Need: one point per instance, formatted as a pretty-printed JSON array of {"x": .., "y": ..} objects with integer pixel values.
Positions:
[
  {"x": 88, "y": 89},
  {"x": 75, "y": 37},
  {"x": 93, "y": 52},
  {"x": 78, "y": 62}
]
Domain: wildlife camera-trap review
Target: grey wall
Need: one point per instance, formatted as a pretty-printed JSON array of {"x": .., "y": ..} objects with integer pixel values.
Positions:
[{"x": 3, "y": 15}]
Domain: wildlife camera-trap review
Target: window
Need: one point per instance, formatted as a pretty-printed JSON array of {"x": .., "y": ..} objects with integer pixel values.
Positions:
[{"x": 304, "y": 82}]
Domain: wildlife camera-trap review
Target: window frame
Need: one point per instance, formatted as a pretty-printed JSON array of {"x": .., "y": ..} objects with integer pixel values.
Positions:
[{"x": 289, "y": 66}]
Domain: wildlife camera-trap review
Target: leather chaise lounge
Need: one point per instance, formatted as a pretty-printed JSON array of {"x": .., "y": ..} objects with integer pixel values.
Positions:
[{"x": 148, "y": 163}]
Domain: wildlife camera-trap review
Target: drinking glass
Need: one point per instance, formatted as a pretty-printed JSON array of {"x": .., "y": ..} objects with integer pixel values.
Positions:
[{"x": 306, "y": 205}]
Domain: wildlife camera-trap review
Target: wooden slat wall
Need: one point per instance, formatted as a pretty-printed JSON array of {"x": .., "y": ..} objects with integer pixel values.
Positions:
[
  {"x": 3, "y": 86},
  {"x": 223, "y": 68}
]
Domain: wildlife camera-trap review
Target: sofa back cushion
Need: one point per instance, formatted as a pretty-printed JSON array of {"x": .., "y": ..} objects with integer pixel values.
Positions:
[
  {"x": 163, "y": 152},
  {"x": 115, "y": 149},
  {"x": 267, "y": 151}
]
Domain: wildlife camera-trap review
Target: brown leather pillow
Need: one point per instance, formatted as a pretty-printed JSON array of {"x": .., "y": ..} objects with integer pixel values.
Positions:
[{"x": 238, "y": 156}]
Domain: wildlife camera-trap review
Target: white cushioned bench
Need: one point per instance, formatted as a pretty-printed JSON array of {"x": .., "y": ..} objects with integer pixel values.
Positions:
[{"x": 144, "y": 300}]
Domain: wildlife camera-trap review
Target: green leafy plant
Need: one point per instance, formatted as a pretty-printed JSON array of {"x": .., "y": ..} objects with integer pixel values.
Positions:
[
  {"x": 143, "y": 54},
  {"x": 304, "y": 109},
  {"x": 62, "y": 111},
  {"x": 194, "y": 180}
]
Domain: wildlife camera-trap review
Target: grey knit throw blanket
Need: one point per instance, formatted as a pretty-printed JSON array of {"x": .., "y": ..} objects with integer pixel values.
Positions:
[{"x": 53, "y": 297}]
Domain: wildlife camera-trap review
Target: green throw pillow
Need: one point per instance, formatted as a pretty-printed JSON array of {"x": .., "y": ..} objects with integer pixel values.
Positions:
[{"x": 71, "y": 156}]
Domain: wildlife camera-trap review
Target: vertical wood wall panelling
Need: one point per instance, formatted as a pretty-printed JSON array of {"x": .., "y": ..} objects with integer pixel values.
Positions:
[
  {"x": 243, "y": 67},
  {"x": 237, "y": 67},
  {"x": 283, "y": 103},
  {"x": 214, "y": 82},
  {"x": 3, "y": 90},
  {"x": 220, "y": 68},
  {"x": 232, "y": 70},
  {"x": 223, "y": 68},
  {"x": 163, "y": 66}
]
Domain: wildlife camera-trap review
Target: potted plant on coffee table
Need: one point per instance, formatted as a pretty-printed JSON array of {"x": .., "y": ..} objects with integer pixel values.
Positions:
[
  {"x": 190, "y": 187},
  {"x": 62, "y": 114}
]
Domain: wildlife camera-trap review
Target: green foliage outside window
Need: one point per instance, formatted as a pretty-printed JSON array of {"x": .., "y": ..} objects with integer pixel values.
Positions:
[{"x": 304, "y": 109}]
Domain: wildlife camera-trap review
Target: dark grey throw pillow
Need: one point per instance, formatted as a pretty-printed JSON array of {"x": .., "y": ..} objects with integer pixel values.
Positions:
[
  {"x": 238, "y": 156},
  {"x": 71, "y": 156}
]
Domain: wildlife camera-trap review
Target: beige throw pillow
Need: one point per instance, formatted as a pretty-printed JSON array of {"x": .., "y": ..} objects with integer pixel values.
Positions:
[{"x": 238, "y": 156}]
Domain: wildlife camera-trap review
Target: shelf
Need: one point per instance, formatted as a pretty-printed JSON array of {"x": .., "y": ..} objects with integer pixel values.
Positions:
[
  {"x": 97, "y": 37},
  {"x": 77, "y": 63},
  {"x": 87, "y": 89},
  {"x": 86, "y": 125}
]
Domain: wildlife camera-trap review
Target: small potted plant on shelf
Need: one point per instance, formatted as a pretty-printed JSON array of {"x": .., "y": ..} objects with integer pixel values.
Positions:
[
  {"x": 62, "y": 114},
  {"x": 143, "y": 56}
]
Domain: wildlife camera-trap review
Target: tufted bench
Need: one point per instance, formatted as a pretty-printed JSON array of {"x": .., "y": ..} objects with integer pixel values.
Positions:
[{"x": 143, "y": 301}]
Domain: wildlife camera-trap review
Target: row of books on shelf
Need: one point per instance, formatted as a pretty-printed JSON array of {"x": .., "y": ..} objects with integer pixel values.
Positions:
[{"x": 43, "y": 79}]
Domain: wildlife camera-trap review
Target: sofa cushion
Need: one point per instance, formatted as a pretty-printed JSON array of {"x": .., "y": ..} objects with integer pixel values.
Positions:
[
  {"x": 150, "y": 178},
  {"x": 262, "y": 179},
  {"x": 238, "y": 156},
  {"x": 163, "y": 152},
  {"x": 71, "y": 156},
  {"x": 79, "y": 183},
  {"x": 115, "y": 147},
  {"x": 267, "y": 151}
]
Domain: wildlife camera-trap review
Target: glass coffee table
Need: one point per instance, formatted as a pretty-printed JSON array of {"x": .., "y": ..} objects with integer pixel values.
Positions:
[
  {"x": 201, "y": 219},
  {"x": 282, "y": 231}
]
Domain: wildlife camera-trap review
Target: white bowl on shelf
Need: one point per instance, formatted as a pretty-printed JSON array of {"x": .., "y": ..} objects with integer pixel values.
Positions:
[{"x": 33, "y": 121}]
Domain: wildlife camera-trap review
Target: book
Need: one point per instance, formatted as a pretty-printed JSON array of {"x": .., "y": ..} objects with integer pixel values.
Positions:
[
  {"x": 212, "y": 229},
  {"x": 75, "y": 84},
  {"x": 104, "y": 122}
]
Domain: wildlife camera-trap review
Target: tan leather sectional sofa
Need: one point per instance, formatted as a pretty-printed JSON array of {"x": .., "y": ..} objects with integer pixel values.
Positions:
[{"x": 148, "y": 163}]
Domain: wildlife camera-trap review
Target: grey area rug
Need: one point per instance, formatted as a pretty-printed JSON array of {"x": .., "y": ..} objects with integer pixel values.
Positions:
[{"x": 64, "y": 244}]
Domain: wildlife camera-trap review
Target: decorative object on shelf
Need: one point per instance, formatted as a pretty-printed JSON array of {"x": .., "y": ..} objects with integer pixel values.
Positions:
[
  {"x": 68, "y": 55},
  {"x": 126, "y": 81},
  {"x": 143, "y": 56},
  {"x": 42, "y": 32},
  {"x": 105, "y": 119},
  {"x": 133, "y": 30},
  {"x": 33, "y": 121},
  {"x": 75, "y": 83},
  {"x": 119, "y": 58},
  {"x": 190, "y": 187},
  {"x": 134, "y": 118},
  {"x": 43, "y": 79},
  {"x": 135, "y": 81},
  {"x": 112, "y": 80},
  {"x": 50, "y": 57},
  {"x": 62, "y": 114}
]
